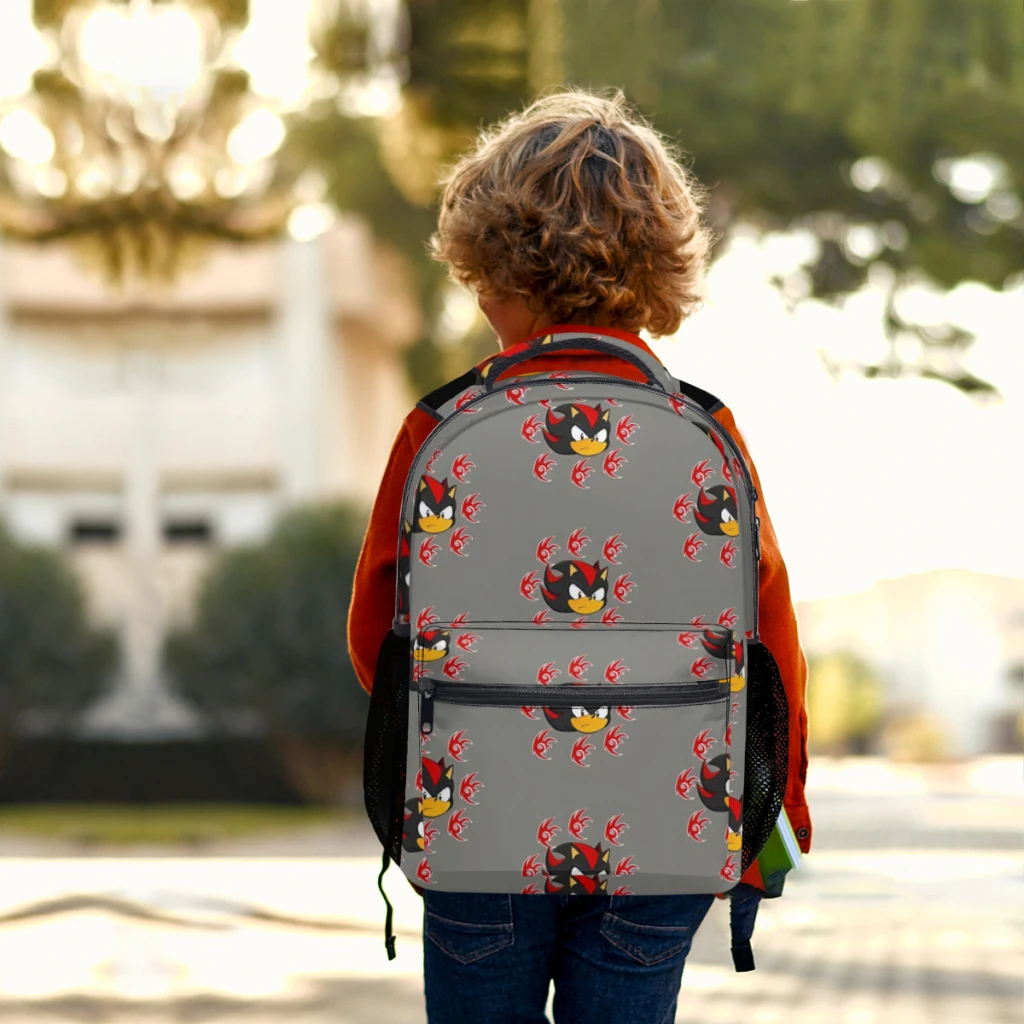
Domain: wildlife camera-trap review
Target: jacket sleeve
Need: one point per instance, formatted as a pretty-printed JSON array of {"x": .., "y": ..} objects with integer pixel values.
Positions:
[
  {"x": 372, "y": 610},
  {"x": 778, "y": 628}
]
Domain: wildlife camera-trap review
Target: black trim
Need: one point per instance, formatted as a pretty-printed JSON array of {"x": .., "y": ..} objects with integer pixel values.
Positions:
[
  {"x": 585, "y": 343},
  {"x": 384, "y": 746},
  {"x": 433, "y": 413},
  {"x": 446, "y": 392},
  {"x": 742, "y": 955},
  {"x": 707, "y": 401}
]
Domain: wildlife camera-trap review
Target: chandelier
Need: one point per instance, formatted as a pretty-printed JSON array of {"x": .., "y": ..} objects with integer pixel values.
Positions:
[{"x": 148, "y": 129}]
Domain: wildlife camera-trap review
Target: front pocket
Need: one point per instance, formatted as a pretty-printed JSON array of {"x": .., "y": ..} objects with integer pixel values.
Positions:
[
  {"x": 566, "y": 699},
  {"x": 579, "y": 789},
  {"x": 514, "y": 654}
]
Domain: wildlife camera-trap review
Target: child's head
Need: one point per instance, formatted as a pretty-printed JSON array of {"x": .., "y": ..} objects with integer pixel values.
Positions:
[{"x": 578, "y": 210}]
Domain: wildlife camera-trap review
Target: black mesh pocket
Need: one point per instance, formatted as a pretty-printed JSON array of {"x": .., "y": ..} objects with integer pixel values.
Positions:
[
  {"x": 767, "y": 753},
  {"x": 384, "y": 750}
]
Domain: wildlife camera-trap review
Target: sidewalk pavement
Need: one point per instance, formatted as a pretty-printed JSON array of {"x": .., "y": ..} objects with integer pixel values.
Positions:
[{"x": 908, "y": 912}]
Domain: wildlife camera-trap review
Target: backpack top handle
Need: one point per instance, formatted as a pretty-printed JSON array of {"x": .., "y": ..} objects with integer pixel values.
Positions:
[{"x": 654, "y": 372}]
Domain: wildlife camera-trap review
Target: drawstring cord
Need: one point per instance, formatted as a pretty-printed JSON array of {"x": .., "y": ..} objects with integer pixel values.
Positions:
[{"x": 389, "y": 935}]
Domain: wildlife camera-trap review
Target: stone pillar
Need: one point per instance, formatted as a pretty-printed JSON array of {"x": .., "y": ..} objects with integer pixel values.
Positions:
[
  {"x": 305, "y": 335},
  {"x": 4, "y": 333},
  {"x": 142, "y": 629}
]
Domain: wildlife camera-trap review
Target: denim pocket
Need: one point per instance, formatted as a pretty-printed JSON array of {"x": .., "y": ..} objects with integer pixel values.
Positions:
[
  {"x": 654, "y": 930},
  {"x": 468, "y": 926}
]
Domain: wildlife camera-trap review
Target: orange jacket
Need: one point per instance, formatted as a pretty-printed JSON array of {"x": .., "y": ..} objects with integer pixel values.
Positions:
[{"x": 373, "y": 593}]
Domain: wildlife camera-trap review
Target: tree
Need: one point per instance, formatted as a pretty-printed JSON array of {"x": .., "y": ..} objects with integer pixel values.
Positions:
[
  {"x": 53, "y": 664},
  {"x": 844, "y": 703},
  {"x": 126, "y": 175},
  {"x": 267, "y": 646},
  {"x": 467, "y": 62},
  {"x": 891, "y": 129}
]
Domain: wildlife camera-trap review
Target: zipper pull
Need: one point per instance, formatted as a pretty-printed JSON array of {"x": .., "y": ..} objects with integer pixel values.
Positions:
[{"x": 427, "y": 706}]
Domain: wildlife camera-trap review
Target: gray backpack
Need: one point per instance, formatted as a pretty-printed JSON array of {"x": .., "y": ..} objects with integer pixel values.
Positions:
[{"x": 573, "y": 697}]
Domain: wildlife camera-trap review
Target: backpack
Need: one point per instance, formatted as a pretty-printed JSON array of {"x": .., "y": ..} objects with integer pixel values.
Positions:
[{"x": 573, "y": 697}]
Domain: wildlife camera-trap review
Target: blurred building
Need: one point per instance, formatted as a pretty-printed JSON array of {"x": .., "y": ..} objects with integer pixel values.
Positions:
[
  {"x": 949, "y": 644},
  {"x": 141, "y": 431}
]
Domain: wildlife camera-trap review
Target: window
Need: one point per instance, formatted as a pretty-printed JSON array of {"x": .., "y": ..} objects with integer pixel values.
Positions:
[
  {"x": 188, "y": 531},
  {"x": 94, "y": 530}
]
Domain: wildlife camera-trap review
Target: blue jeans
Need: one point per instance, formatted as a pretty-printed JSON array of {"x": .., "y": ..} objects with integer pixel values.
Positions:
[{"x": 488, "y": 957}]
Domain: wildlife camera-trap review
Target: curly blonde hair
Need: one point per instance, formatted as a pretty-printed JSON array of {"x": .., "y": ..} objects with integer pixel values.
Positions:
[{"x": 579, "y": 206}]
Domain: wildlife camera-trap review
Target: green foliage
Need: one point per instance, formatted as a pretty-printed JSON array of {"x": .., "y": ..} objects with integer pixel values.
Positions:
[
  {"x": 150, "y": 229},
  {"x": 782, "y": 103},
  {"x": 844, "y": 117},
  {"x": 269, "y": 635},
  {"x": 844, "y": 703},
  {"x": 469, "y": 59},
  {"x": 348, "y": 151},
  {"x": 121, "y": 825},
  {"x": 52, "y": 663},
  {"x": 777, "y": 101},
  {"x": 49, "y": 12},
  {"x": 467, "y": 65}
]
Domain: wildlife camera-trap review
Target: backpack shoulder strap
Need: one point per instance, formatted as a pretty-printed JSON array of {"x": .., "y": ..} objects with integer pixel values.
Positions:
[
  {"x": 441, "y": 396},
  {"x": 432, "y": 403},
  {"x": 707, "y": 401},
  {"x": 744, "y": 900}
]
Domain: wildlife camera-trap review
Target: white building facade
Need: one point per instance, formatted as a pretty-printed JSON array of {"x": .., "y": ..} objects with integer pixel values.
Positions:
[{"x": 142, "y": 431}]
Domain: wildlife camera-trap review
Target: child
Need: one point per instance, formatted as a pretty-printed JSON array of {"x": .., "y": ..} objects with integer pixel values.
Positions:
[{"x": 573, "y": 212}]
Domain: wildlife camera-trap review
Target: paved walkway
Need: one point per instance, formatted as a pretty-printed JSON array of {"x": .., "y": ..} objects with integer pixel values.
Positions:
[{"x": 909, "y": 912}]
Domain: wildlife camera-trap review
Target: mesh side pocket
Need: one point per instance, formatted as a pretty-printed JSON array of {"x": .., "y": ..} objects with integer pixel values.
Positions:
[
  {"x": 767, "y": 753},
  {"x": 384, "y": 750}
]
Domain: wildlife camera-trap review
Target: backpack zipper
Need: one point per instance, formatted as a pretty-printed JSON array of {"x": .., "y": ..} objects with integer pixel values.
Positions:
[
  {"x": 755, "y": 526},
  {"x": 564, "y": 696}
]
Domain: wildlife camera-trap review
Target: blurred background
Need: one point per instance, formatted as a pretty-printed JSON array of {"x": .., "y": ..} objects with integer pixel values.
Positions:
[{"x": 215, "y": 309}]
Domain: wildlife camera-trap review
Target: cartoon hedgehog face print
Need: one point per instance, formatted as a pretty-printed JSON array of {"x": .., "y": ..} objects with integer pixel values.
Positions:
[
  {"x": 577, "y": 868},
  {"x": 431, "y": 644},
  {"x": 412, "y": 827},
  {"x": 715, "y": 790},
  {"x": 734, "y": 833},
  {"x": 714, "y": 777},
  {"x": 438, "y": 780},
  {"x": 577, "y": 429},
  {"x": 575, "y": 586},
  {"x": 715, "y": 513},
  {"x": 404, "y": 566},
  {"x": 435, "y": 505},
  {"x": 578, "y": 719}
]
